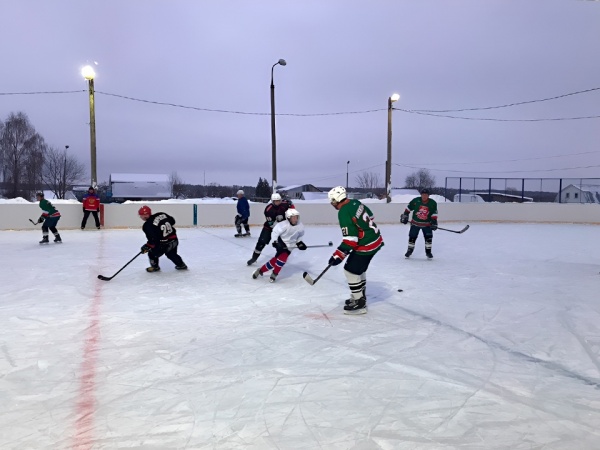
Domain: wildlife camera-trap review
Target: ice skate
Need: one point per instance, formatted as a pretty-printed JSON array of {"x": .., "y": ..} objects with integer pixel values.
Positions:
[
  {"x": 57, "y": 238},
  {"x": 408, "y": 253},
  {"x": 257, "y": 273},
  {"x": 153, "y": 269},
  {"x": 181, "y": 267},
  {"x": 252, "y": 260},
  {"x": 44, "y": 240},
  {"x": 272, "y": 278},
  {"x": 428, "y": 254},
  {"x": 356, "y": 307}
]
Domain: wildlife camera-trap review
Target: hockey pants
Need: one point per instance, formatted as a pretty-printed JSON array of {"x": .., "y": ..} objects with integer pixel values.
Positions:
[
  {"x": 413, "y": 234},
  {"x": 239, "y": 221},
  {"x": 50, "y": 224},
  {"x": 86, "y": 214},
  {"x": 277, "y": 262},
  {"x": 355, "y": 270},
  {"x": 169, "y": 249},
  {"x": 263, "y": 240}
]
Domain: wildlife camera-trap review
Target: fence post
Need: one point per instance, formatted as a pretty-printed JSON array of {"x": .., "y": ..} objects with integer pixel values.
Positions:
[
  {"x": 195, "y": 220},
  {"x": 459, "y": 189},
  {"x": 522, "y": 190},
  {"x": 560, "y": 190}
]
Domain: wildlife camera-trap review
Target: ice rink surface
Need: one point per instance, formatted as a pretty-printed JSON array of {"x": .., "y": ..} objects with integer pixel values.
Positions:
[{"x": 494, "y": 344}]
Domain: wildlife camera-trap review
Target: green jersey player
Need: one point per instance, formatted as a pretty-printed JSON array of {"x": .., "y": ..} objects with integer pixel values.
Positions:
[
  {"x": 361, "y": 240},
  {"x": 424, "y": 218}
]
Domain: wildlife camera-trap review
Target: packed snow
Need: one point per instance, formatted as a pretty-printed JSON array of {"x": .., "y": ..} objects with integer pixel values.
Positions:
[{"x": 493, "y": 344}]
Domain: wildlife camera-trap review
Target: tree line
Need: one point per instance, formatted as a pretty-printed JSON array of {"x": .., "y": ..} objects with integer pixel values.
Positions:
[{"x": 29, "y": 164}]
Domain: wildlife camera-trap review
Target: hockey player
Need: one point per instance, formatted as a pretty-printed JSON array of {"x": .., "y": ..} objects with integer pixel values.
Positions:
[
  {"x": 424, "y": 218},
  {"x": 274, "y": 213},
  {"x": 91, "y": 205},
  {"x": 286, "y": 236},
  {"x": 243, "y": 214},
  {"x": 162, "y": 238},
  {"x": 48, "y": 219},
  {"x": 361, "y": 240}
]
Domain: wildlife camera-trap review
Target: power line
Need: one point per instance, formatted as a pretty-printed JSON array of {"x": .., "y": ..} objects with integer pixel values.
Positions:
[
  {"x": 508, "y": 104},
  {"x": 500, "y": 171},
  {"x": 496, "y": 120},
  {"x": 237, "y": 112},
  {"x": 42, "y": 92},
  {"x": 506, "y": 160}
]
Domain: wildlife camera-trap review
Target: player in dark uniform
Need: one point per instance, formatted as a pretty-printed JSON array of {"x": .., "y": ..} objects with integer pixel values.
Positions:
[
  {"x": 424, "y": 218},
  {"x": 274, "y": 212},
  {"x": 162, "y": 238},
  {"x": 48, "y": 219}
]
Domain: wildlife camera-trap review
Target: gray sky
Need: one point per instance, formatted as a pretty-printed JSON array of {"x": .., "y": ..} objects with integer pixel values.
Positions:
[{"x": 342, "y": 56}]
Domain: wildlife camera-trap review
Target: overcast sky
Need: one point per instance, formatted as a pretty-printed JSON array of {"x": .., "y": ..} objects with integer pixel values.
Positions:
[{"x": 342, "y": 56}]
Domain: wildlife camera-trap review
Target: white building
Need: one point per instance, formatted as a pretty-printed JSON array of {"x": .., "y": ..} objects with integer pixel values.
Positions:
[
  {"x": 582, "y": 193},
  {"x": 298, "y": 192},
  {"x": 140, "y": 186}
]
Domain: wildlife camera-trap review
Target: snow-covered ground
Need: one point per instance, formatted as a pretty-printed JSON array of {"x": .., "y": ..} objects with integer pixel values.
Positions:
[{"x": 494, "y": 344}]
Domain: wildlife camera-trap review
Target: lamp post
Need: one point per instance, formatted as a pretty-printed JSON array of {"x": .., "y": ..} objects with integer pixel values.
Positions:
[
  {"x": 388, "y": 163},
  {"x": 281, "y": 62},
  {"x": 89, "y": 74},
  {"x": 347, "y": 163}
]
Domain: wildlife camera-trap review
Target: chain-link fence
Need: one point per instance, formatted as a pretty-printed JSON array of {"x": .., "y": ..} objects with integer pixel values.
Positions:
[{"x": 520, "y": 190}]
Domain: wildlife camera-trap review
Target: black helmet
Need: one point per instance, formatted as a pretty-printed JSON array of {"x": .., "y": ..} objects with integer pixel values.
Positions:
[
  {"x": 39, "y": 194},
  {"x": 425, "y": 191}
]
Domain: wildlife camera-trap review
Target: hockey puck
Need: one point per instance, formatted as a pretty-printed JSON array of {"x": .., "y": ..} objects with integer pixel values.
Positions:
[{"x": 400, "y": 290}]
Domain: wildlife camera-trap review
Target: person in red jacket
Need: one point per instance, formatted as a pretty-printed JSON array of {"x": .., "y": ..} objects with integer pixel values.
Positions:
[{"x": 91, "y": 205}]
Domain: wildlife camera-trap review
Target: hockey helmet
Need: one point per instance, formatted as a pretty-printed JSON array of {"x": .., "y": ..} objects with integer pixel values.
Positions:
[
  {"x": 275, "y": 197},
  {"x": 337, "y": 194},
  {"x": 291, "y": 213},
  {"x": 145, "y": 211},
  {"x": 240, "y": 192},
  {"x": 39, "y": 194},
  {"x": 425, "y": 191}
]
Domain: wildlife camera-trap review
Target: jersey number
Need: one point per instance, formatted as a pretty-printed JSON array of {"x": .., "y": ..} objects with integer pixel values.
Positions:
[
  {"x": 370, "y": 222},
  {"x": 166, "y": 228}
]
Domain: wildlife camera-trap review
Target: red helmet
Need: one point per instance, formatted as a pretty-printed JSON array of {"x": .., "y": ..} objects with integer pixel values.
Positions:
[{"x": 145, "y": 211}]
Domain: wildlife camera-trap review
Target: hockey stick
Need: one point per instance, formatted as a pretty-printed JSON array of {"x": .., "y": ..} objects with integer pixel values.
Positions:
[
  {"x": 316, "y": 246},
  {"x": 453, "y": 231},
  {"x": 309, "y": 279},
  {"x": 103, "y": 278},
  {"x": 35, "y": 223}
]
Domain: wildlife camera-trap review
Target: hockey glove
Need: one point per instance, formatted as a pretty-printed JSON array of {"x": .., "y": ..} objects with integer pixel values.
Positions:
[
  {"x": 433, "y": 225},
  {"x": 404, "y": 218},
  {"x": 337, "y": 257},
  {"x": 280, "y": 218},
  {"x": 41, "y": 219},
  {"x": 145, "y": 248},
  {"x": 279, "y": 245},
  {"x": 301, "y": 245}
]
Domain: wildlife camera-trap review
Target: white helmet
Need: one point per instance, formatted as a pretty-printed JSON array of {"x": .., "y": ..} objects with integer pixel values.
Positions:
[
  {"x": 291, "y": 212},
  {"x": 337, "y": 194},
  {"x": 275, "y": 197},
  {"x": 240, "y": 192}
]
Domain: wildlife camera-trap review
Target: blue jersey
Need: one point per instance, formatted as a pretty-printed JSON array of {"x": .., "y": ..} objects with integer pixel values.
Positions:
[{"x": 243, "y": 208}]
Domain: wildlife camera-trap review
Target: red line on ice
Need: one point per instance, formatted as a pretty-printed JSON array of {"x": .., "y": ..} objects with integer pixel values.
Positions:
[{"x": 86, "y": 397}]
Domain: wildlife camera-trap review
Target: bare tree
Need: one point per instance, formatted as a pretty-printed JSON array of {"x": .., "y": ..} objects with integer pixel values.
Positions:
[
  {"x": 420, "y": 179},
  {"x": 369, "y": 180},
  {"x": 22, "y": 151},
  {"x": 60, "y": 171},
  {"x": 177, "y": 183}
]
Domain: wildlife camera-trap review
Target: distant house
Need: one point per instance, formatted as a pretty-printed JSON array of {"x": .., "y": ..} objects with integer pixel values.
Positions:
[
  {"x": 498, "y": 197},
  {"x": 583, "y": 193},
  {"x": 298, "y": 192},
  {"x": 468, "y": 198},
  {"x": 139, "y": 186}
]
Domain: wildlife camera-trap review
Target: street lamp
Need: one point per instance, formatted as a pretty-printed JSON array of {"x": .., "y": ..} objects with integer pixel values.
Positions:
[
  {"x": 89, "y": 74},
  {"x": 388, "y": 164},
  {"x": 347, "y": 163},
  {"x": 281, "y": 62}
]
